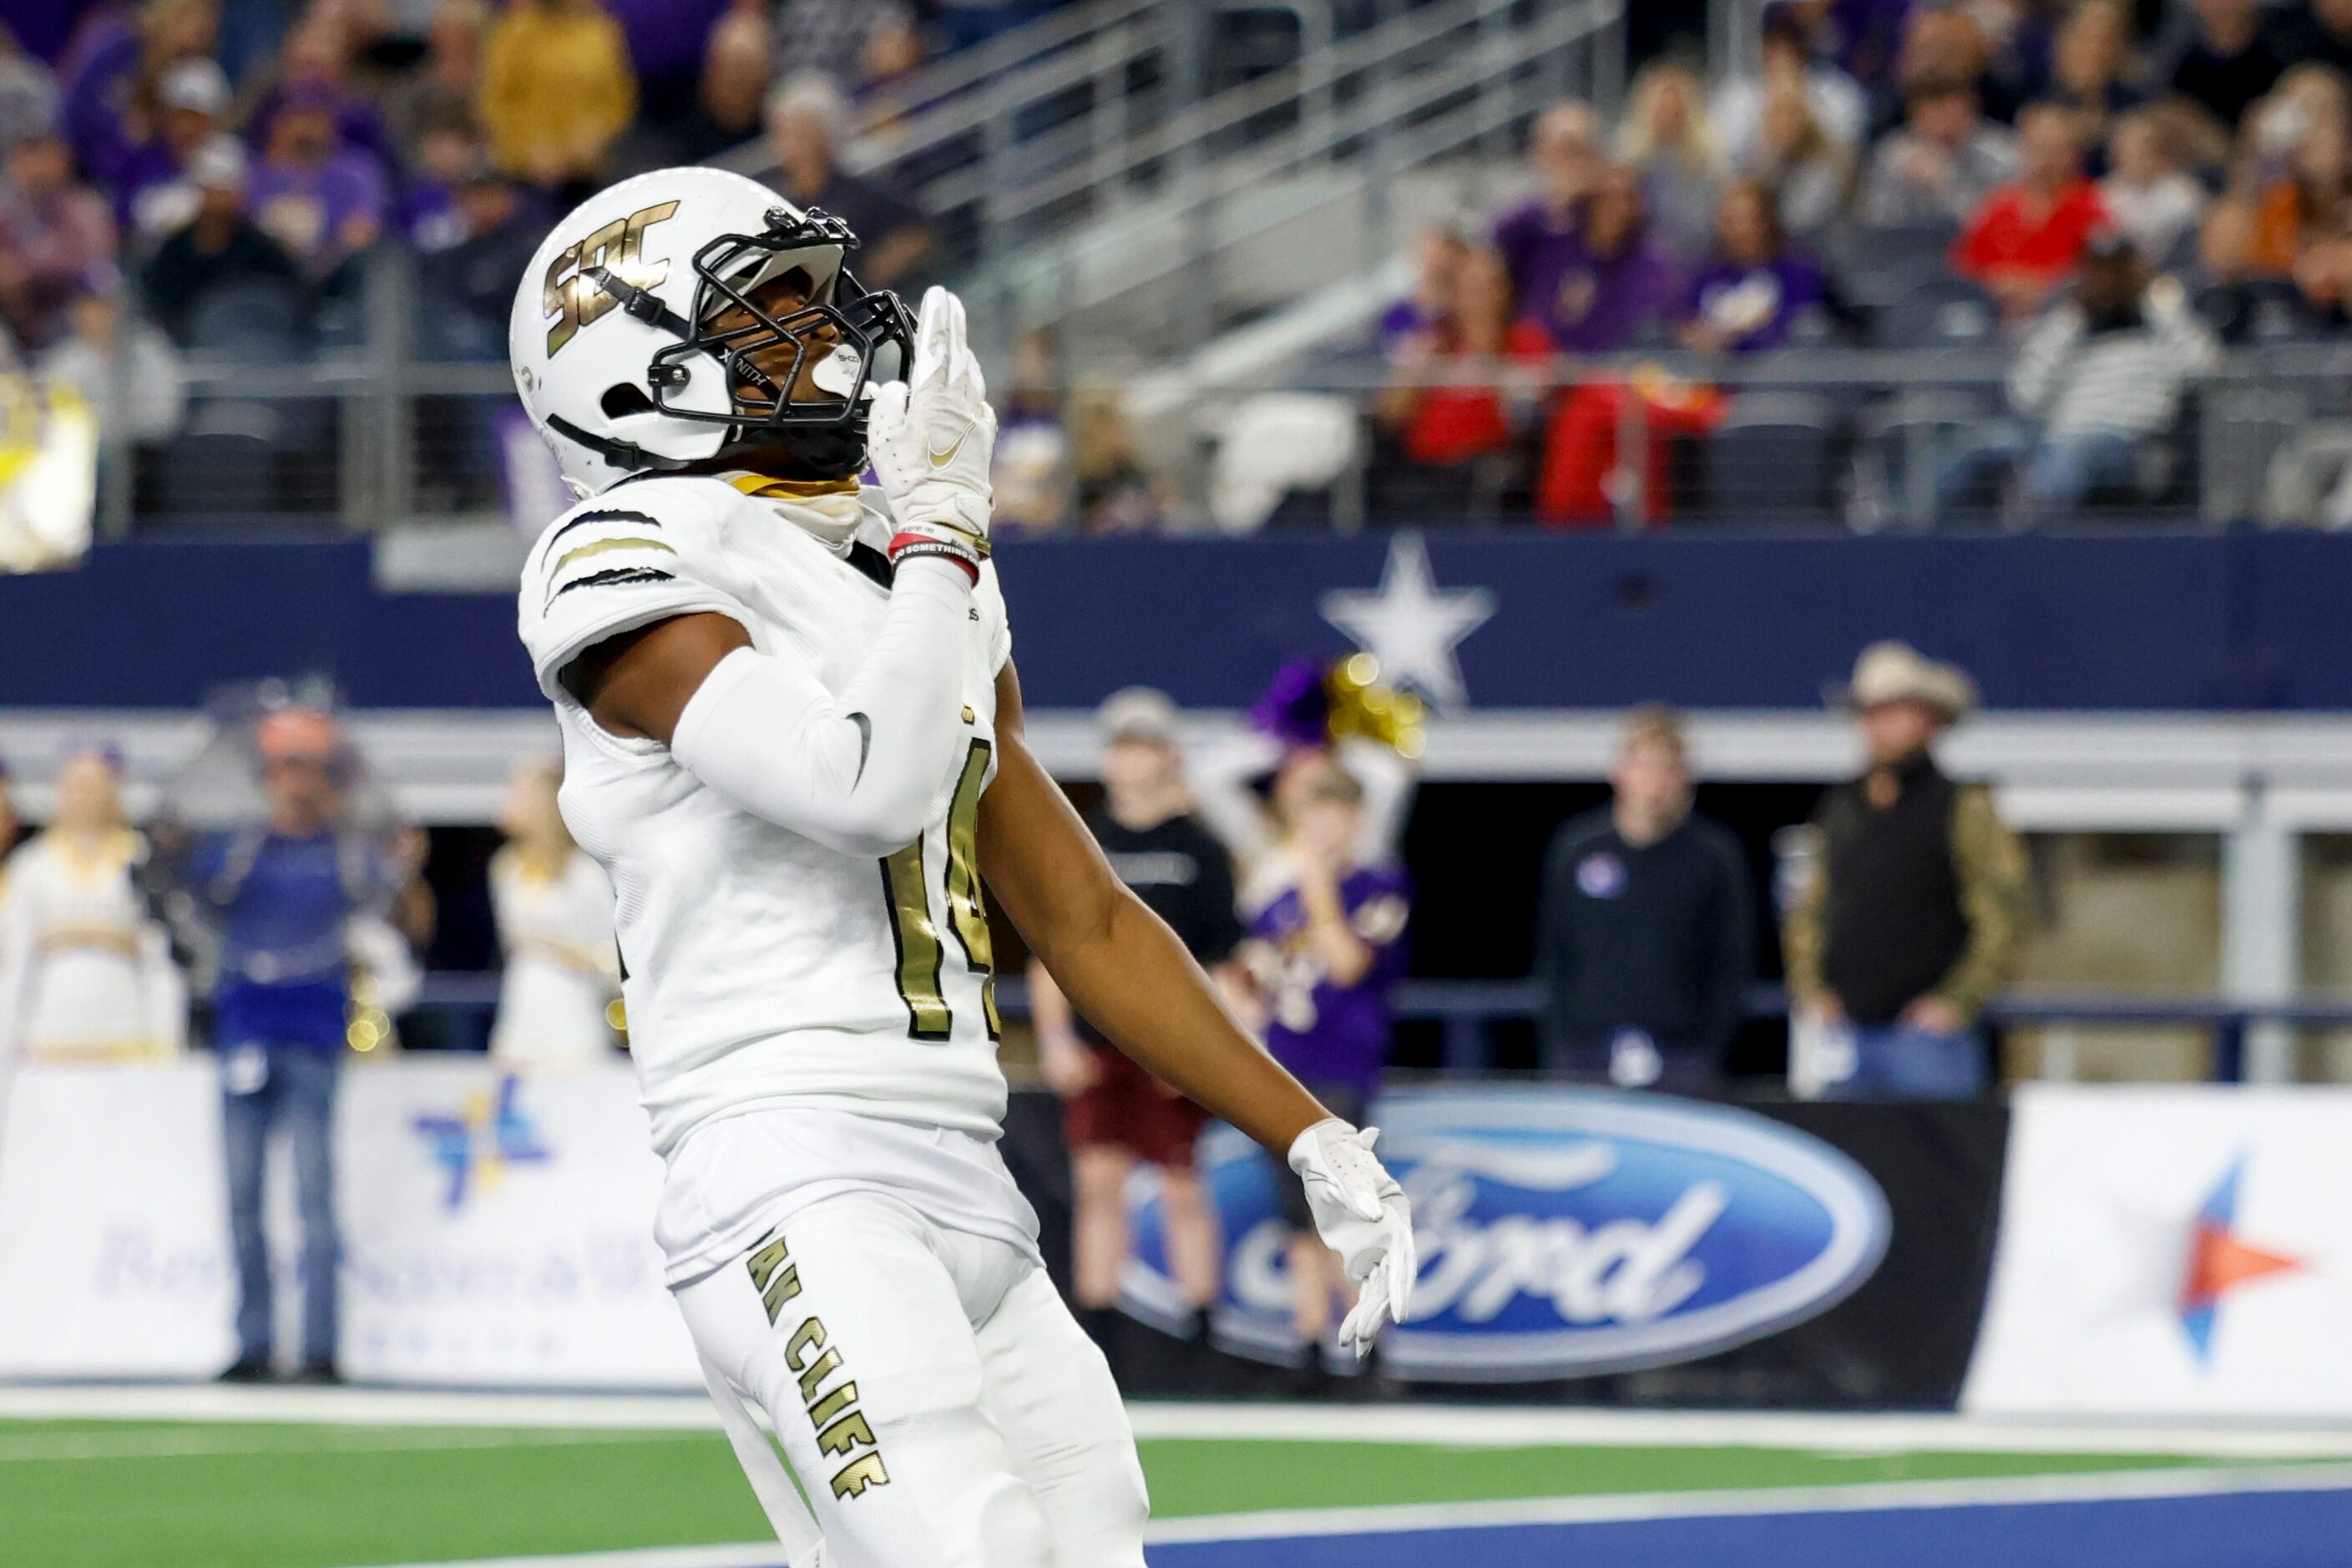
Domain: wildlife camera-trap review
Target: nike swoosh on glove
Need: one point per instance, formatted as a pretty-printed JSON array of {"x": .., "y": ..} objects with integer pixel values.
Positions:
[
  {"x": 1361, "y": 1214},
  {"x": 932, "y": 438}
]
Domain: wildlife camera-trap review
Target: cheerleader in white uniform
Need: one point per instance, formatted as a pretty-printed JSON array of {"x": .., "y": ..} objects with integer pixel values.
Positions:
[
  {"x": 85, "y": 974},
  {"x": 554, "y": 910}
]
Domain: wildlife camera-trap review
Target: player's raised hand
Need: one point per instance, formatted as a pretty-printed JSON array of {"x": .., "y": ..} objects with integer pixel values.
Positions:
[
  {"x": 933, "y": 442},
  {"x": 1362, "y": 1214}
]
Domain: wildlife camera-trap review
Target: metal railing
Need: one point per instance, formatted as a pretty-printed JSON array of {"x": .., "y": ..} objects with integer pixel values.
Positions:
[
  {"x": 1353, "y": 120},
  {"x": 1040, "y": 157},
  {"x": 1467, "y": 1012},
  {"x": 1822, "y": 436},
  {"x": 1061, "y": 92}
]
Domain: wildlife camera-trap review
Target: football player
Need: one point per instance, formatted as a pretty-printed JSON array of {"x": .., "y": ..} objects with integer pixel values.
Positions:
[{"x": 792, "y": 737}]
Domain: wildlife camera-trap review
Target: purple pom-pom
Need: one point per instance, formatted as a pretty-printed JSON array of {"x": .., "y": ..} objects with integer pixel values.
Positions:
[{"x": 1295, "y": 709}]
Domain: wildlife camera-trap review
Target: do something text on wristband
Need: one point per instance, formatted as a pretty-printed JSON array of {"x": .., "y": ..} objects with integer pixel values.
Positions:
[{"x": 910, "y": 546}]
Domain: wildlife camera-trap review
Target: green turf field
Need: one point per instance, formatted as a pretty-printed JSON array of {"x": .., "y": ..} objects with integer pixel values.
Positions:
[{"x": 139, "y": 1494}]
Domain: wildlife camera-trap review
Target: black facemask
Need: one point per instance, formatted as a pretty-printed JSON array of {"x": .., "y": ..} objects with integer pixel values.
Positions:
[{"x": 822, "y": 438}]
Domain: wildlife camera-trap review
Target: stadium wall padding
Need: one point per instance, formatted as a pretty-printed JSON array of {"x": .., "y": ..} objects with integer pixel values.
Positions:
[
  {"x": 2126, "y": 621},
  {"x": 1902, "y": 1340}
]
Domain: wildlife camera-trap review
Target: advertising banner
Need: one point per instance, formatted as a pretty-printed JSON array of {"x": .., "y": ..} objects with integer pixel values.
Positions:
[
  {"x": 2172, "y": 1251},
  {"x": 1563, "y": 1233},
  {"x": 499, "y": 1230},
  {"x": 114, "y": 1257},
  {"x": 496, "y": 1228}
]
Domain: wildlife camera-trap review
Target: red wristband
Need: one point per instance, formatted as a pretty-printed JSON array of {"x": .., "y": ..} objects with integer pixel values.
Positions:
[{"x": 906, "y": 545}]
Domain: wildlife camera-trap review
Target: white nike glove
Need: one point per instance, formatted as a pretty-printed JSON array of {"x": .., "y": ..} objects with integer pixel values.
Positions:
[
  {"x": 932, "y": 437},
  {"x": 1362, "y": 1216}
]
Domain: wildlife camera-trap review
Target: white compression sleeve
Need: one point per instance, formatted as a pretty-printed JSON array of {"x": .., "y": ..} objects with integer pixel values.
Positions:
[{"x": 855, "y": 772}]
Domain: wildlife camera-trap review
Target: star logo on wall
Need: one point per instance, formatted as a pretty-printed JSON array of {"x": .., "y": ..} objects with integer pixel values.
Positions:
[
  {"x": 2220, "y": 1262},
  {"x": 1410, "y": 625},
  {"x": 475, "y": 1147}
]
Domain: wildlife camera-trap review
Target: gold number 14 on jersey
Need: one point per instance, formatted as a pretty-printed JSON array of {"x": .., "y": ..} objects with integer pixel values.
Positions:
[{"x": 920, "y": 952}]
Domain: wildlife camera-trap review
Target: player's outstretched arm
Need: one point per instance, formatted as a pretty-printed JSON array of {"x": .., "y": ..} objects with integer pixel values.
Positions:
[
  {"x": 1126, "y": 971},
  {"x": 1119, "y": 962}
]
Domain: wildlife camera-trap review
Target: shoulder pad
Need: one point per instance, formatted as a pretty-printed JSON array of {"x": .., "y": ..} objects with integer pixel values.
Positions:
[{"x": 635, "y": 554}]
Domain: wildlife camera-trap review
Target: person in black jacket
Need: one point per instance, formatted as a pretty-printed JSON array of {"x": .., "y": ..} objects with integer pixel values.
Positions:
[
  {"x": 1646, "y": 933},
  {"x": 1909, "y": 921},
  {"x": 220, "y": 244}
]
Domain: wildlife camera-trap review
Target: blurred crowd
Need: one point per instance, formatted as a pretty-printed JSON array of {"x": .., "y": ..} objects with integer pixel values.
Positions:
[
  {"x": 2110, "y": 192},
  {"x": 2107, "y": 191},
  {"x": 230, "y": 166}
]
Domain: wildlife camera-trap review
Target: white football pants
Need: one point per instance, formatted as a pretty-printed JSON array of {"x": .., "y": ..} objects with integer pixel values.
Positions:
[{"x": 938, "y": 1403}]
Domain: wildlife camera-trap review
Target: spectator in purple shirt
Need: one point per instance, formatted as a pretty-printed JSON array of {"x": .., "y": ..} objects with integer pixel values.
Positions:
[
  {"x": 314, "y": 72},
  {"x": 57, "y": 242},
  {"x": 152, "y": 191},
  {"x": 1326, "y": 947},
  {"x": 1566, "y": 158},
  {"x": 324, "y": 201},
  {"x": 110, "y": 76},
  {"x": 1754, "y": 288},
  {"x": 1596, "y": 286}
]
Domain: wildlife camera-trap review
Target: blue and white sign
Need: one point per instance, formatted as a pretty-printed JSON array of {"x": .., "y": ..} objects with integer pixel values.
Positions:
[{"x": 1562, "y": 1232}]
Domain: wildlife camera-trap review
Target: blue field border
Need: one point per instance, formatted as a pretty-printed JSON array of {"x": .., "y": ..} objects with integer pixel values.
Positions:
[{"x": 2264, "y": 1530}]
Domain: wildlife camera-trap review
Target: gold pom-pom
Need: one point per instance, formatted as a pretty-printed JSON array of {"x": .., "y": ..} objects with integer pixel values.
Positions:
[{"x": 1360, "y": 705}]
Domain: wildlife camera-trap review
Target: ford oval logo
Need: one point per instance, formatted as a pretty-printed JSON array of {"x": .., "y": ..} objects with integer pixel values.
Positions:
[{"x": 1564, "y": 1232}]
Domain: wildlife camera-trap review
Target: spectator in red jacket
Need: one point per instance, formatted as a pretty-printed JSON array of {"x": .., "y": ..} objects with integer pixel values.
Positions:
[
  {"x": 1440, "y": 417},
  {"x": 2027, "y": 237}
]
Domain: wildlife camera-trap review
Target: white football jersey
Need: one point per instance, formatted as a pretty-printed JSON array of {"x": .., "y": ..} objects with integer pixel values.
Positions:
[{"x": 759, "y": 968}]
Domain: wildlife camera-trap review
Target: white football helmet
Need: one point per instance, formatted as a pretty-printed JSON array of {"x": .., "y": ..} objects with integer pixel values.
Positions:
[{"x": 615, "y": 352}]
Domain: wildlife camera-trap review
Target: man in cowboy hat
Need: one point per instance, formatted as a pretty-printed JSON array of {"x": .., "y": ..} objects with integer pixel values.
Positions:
[{"x": 1909, "y": 923}]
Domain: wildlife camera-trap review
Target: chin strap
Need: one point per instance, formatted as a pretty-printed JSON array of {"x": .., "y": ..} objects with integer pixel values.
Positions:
[{"x": 625, "y": 455}]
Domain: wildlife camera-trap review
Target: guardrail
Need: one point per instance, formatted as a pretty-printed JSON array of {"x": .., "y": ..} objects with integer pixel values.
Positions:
[
  {"x": 1467, "y": 1010},
  {"x": 368, "y": 438}
]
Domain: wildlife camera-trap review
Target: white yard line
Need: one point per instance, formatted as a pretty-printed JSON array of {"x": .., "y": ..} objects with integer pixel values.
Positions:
[
  {"x": 198, "y": 1442},
  {"x": 356, "y": 1406},
  {"x": 1633, "y": 1507},
  {"x": 1507, "y": 1426},
  {"x": 1463, "y": 1426},
  {"x": 752, "y": 1554}
]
